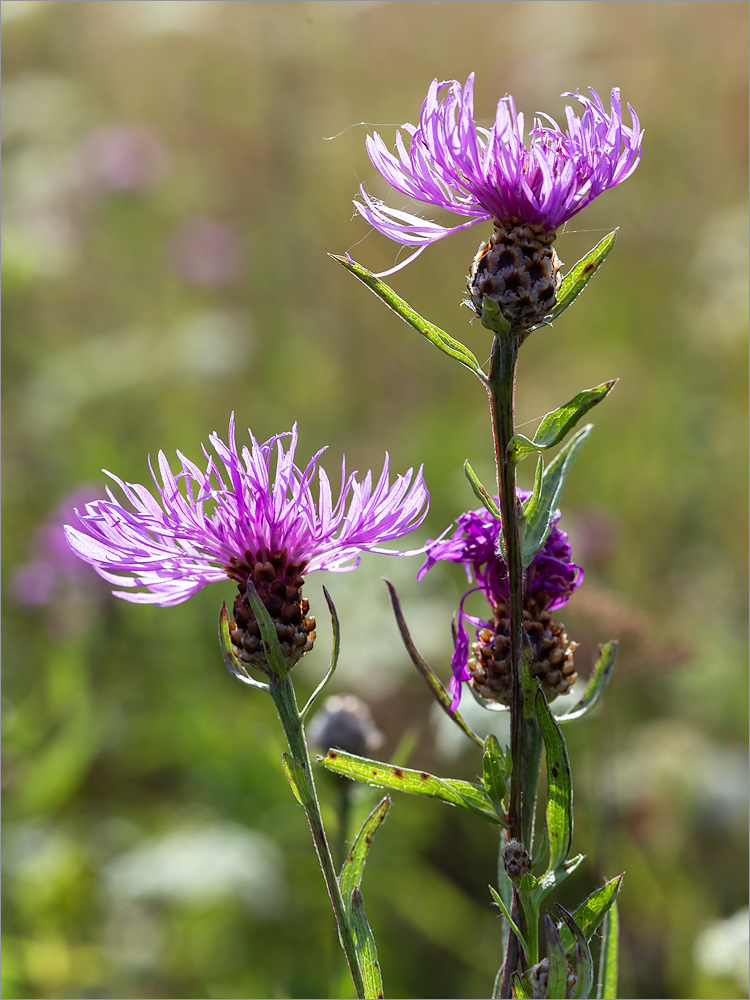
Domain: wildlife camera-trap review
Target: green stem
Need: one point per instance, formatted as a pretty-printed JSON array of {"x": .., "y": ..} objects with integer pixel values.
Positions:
[
  {"x": 282, "y": 692},
  {"x": 501, "y": 390}
]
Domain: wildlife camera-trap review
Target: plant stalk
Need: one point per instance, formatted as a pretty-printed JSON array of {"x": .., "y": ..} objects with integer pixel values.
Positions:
[
  {"x": 501, "y": 391},
  {"x": 282, "y": 692}
]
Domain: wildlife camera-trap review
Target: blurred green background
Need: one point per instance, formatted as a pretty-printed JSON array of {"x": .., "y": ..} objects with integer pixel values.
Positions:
[{"x": 170, "y": 190}]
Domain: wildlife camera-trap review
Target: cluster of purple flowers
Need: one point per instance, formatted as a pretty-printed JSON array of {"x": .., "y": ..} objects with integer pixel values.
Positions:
[{"x": 550, "y": 579}]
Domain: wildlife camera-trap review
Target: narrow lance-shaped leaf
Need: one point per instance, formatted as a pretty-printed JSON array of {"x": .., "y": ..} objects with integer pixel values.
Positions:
[
  {"x": 367, "y": 954},
  {"x": 519, "y": 991},
  {"x": 481, "y": 493},
  {"x": 463, "y": 794},
  {"x": 556, "y": 425},
  {"x": 557, "y": 983},
  {"x": 559, "y": 785},
  {"x": 597, "y": 683},
  {"x": 608, "y": 956},
  {"x": 350, "y": 882},
  {"x": 584, "y": 961},
  {"x": 439, "y": 338},
  {"x": 511, "y": 922},
  {"x": 233, "y": 662},
  {"x": 579, "y": 276},
  {"x": 334, "y": 655},
  {"x": 295, "y": 772},
  {"x": 351, "y": 871},
  {"x": 434, "y": 683},
  {"x": 495, "y": 767},
  {"x": 271, "y": 645},
  {"x": 538, "y": 525},
  {"x": 593, "y": 909}
]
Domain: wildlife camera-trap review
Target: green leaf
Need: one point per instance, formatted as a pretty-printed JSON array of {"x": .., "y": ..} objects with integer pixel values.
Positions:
[
  {"x": 334, "y": 655},
  {"x": 234, "y": 664},
  {"x": 555, "y": 425},
  {"x": 367, "y": 953},
  {"x": 511, "y": 923},
  {"x": 453, "y": 348},
  {"x": 531, "y": 506},
  {"x": 538, "y": 523},
  {"x": 593, "y": 909},
  {"x": 557, "y": 983},
  {"x": 296, "y": 776},
  {"x": 579, "y": 276},
  {"x": 584, "y": 961},
  {"x": 559, "y": 785},
  {"x": 351, "y": 871},
  {"x": 496, "y": 771},
  {"x": 481, "y": 493},
  {"x": 349, "y": 882},
  {"x": 442, "y": 696},
  {"x": 271, "y": 645},
  {"x": 492, "y": 318},
  {"x": 597, "y": 683},
  {"x": 607, "y": 986},
  {"x": 463, "y": 794},
  {"x": 519, "y": 992}
]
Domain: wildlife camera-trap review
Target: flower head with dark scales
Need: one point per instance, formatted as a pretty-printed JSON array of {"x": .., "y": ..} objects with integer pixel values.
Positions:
[
  {"x": 527, "y": 190},
  {"x": 550, "y": 580},
  {"x": 237, "y": 517}
]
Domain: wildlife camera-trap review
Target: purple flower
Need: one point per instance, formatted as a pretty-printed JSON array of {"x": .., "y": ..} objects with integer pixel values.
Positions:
[
  {"x": 204, "y": 526},
  {"x": 491, "y": 173},
  {"x": 550, "y": 579}
]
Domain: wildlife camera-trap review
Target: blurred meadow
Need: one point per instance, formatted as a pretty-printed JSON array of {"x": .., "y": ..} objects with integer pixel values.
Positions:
[{"x": 174, "y": 174}]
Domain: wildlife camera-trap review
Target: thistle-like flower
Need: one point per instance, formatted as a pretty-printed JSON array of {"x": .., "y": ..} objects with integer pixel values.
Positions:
[
  {"x": 527, "y": 191},
  {"x": 550, "y": 580},
  {"x": 247, "y": 524}
]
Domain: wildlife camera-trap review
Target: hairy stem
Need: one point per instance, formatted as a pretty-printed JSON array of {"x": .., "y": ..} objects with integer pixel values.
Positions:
[{"x": 282, "y": 692}]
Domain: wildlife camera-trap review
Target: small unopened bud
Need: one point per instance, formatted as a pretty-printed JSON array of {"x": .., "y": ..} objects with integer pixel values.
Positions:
[
  {"x": 539, "y": 980},
  {"x": 516, "y": 860},
  {"x": 345, "y": 722}
]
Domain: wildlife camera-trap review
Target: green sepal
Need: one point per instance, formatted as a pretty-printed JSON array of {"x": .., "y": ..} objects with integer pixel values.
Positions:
[
  {"x": 496, "y": 770},
  {"x": 511, "y": 923},
  {"x": 441, "y": 695},
  {"x": 464, "y": 794},
  {"x": 559, "y": 785},
  {"x": 367, "y": 953},
  {"x": 584, "y": 961},
  {"x": 557, "y": 983},
  {"x": 481, "y": 493},
  {"x": 492, "y": 318},
  {"x": 579, "y": 276},
  {"x": 558, "y": 423},
  {"x": 606, "y": 988},
  {"x": 336, "y": 627},
  {"x": 539, "y": 520},
  {"x": 453, "y": 348},
  {"x": 271, "y": 644},
  {"x": 235, "y": 666},
  {"x": 519, "y": 990},
  {"x": 349, "y": 882},
  {"x": 597, "y": 683},
  {"x": 593, "y": 909},
  {"x": 295, "y": 772}
]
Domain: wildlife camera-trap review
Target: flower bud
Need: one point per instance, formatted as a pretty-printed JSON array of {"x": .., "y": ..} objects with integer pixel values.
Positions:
[
  {"x": 539, "y": 979},
  {"x": 345, "y": 722},
  {"x": 516, "y": 860}
]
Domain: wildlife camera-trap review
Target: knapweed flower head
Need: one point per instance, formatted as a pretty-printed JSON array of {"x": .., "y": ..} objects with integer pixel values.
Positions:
[
  {"x": 550, "y": 580},
  {"x": 527, "y": 190},
  {"x": 238, "y": 518}
]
